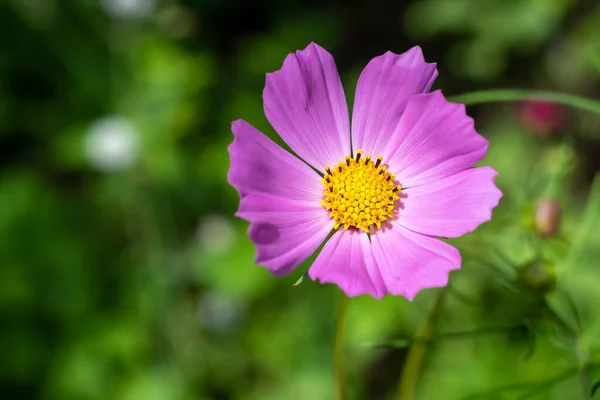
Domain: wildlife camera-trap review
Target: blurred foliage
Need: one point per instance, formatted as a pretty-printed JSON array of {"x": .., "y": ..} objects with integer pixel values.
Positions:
[{"x": 125, "y": 276}]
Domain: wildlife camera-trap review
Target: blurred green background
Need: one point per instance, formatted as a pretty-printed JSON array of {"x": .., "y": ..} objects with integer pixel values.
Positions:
[{"x": 124, "y": 274}]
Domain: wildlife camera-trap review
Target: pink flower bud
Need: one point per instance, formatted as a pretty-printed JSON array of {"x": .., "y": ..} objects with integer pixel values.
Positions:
[{"x": 547, "y": 217}]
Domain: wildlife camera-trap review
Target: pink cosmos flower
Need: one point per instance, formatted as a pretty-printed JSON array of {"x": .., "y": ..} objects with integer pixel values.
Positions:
[{"x": 388, "y": 184}]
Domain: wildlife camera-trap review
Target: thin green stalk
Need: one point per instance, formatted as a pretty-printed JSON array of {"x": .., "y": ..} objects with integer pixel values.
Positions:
[
  {"x": 416, "y": 354},
  {"x": 408, "y": 341},
  {"x": 338, "y": 349},
  {"x": 586, "y": 382},
  {"x": 507, "y": 95}
]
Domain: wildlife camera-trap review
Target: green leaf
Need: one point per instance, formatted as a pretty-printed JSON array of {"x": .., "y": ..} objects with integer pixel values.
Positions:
[
  {"x": 588, "y": 228},
  {"x": 578, "y": 275},
  {"x": 299, "y": 281}
]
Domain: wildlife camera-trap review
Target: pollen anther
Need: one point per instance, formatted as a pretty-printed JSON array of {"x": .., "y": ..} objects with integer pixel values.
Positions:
[{"x": 359, "y": 194}]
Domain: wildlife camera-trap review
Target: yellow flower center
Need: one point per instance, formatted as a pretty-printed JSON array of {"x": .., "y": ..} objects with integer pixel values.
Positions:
[{"x": 359, "y": 193}]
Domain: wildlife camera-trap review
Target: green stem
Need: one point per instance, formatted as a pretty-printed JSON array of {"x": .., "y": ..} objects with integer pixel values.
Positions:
[
  {"x": 406, "y": 342},
  {"x": 338, "y": 349},
  {"x": 416, "y": 354},
  {"x": 586, "y": 382},
  {"x": 507, "y": 95}
]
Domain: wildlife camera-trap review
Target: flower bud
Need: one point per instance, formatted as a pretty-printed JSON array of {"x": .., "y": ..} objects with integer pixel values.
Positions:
[
  {"x": 537, "y": 277},
  {"x": 547, "y": 217}
]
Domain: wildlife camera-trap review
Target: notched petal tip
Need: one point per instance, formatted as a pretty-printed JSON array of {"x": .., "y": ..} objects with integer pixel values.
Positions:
[
  {"x": 444, "y": 136},
  {"x": 492, "y": 174},
  {"x": 305, "y": 103},
  {"x": 347, "y": 261},
  {"x": 412, "y": 293},
  {"x": 348, "y": 291},
  {"x": 296, "y": 57},
  {"x": 455, "y": 110},
  {"x": 438, "y": 99},
  {"x": 442, "y": 281},
  {"x": 313, "y": 46},
  {"x": 410, "y": 262},
  {"x": 437, "y": 209},
  {"x": 383, "y": 90},
  {"x": 237, "y": 123},
  {"x": 414, "y": 58},
  {"x": 497, "y": 191},
  {"x": 236, "y": 127},
  {"x": 415, "y": 53},
  {"x": 494, "y": 194},
  {"x": 239, "y": 128}
]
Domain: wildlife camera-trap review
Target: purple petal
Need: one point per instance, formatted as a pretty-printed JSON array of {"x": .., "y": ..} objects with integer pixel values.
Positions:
[
  {"x": 347, "y": 261},
  {"x": 305, "y": 103},
  {"x": 434, "y": 139},
  {"x": 410, "y": 262},
  {"x": 452, "y": 206},
  {"x": 383, "y": 90},
  {"x": 285, "y": 232},
  {"x": 260, "y": 165}
]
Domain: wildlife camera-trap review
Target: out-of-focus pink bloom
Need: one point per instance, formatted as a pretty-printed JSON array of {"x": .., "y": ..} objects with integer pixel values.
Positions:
[{"x": 540, "y": 117}]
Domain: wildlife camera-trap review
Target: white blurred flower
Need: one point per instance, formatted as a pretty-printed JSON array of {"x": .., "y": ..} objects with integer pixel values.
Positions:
[
  {"x": 111, "y": 144},
  {"x": 133, "y": 9},
  {"x": 216, "y": 234},
  {"x": 220, "y": 313}
]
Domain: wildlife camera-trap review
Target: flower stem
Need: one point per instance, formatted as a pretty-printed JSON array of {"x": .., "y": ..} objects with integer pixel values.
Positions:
[
  {"x": 508, "y": 95},
  {"x": 338, "y": 349},
  {"x": 416, "y": 354},
  {"x": 586, "y": 382}
]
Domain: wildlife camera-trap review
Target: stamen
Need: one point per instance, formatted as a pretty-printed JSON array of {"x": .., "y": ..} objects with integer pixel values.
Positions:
[
  {"x": 358, "y": 154},
  {"x": 361, "y": 194}
]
